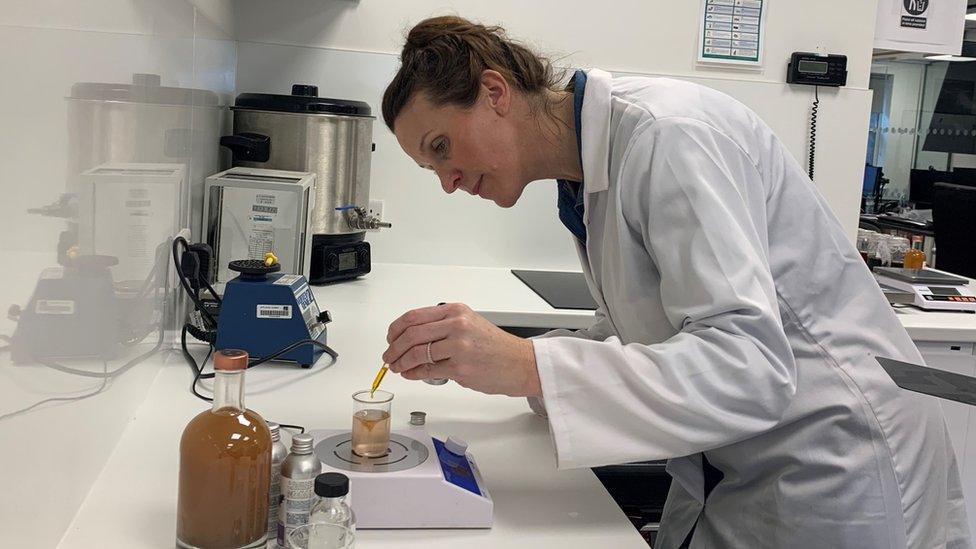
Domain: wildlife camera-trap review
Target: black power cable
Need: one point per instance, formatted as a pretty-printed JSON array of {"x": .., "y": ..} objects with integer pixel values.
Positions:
[
  {"x": 198, "y": 369},
  {"x": 101, "y": 387},
  {"x": 178, "y": 243},
  {"x": 209, "y": 335},
  {"x": 105, "y": 375},
  {"x": 813, "y": 130}
]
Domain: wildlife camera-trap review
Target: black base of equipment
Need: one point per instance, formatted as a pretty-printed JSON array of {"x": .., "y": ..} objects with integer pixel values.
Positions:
[
  {"x": 338, "y": 257},
  {"x": 72, "y": 313}
]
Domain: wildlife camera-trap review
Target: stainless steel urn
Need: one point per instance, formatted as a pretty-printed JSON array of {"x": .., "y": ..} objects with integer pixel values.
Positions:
[{"x": 332, "y": 138}]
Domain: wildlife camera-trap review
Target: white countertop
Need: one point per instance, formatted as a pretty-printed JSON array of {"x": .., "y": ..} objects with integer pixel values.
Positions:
[
  {"x": 506, "y": 301},
  {"x": 133, "y": 504},
  {"x": 950, "y": 326},
  {"x": 496, "y": 293}
]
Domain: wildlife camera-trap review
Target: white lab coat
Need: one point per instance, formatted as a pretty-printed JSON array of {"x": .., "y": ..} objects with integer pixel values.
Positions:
[{"x": 736, "y": 319}]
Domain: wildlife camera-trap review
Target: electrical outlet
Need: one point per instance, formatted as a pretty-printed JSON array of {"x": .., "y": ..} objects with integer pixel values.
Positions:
[{"x": 376, "y": 209}]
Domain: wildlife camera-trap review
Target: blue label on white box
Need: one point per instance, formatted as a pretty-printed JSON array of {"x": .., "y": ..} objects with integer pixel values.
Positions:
[{"x": 456, "y": 468}]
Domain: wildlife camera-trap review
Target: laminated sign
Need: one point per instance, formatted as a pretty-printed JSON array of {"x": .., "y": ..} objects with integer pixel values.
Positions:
[
  {"x": 732, "y": 32},
  {"x": 923, "y": 26},
  {"x": 914, "y": 13}
]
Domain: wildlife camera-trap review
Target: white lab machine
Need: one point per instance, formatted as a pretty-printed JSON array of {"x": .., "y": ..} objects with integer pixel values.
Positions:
[
  {"x": 129, "y": 211},
  {"x": 422, "y": 482},
  {"x": 250, "y": 211},
  {"x": 932, "y": 290}
]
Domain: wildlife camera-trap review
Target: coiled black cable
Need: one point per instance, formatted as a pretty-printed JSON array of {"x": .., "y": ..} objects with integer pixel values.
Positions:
[{"x": 813, "y": 130}]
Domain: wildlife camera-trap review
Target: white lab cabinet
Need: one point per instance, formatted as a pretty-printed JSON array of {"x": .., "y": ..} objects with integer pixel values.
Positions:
[{"x": 958, "y": 358}]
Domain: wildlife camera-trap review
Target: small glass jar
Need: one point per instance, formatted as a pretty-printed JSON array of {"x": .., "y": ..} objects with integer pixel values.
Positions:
[
  {"x": 880, "y": 255},
  {"x": 865, "y": 241},
  {"x": 899, "y": 247}
]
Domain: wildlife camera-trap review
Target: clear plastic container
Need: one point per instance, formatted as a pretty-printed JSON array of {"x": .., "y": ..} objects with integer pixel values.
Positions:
[
  {"x": 865, "y": 241},
  {"x": 899, "y": 247},
  {"x": 880, "y": 255}
]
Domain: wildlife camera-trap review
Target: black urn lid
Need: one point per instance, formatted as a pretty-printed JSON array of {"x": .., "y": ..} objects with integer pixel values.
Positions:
[{"x": 303, "y": 99}]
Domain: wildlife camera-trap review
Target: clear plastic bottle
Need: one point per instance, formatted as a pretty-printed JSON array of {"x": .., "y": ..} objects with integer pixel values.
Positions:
[{"x": 332, "y": 490}]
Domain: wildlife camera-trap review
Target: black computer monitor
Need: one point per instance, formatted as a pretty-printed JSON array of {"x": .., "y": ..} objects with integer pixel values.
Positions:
[
  {"x": 920, "y": 186},
  {"x": 871, "y": 176},
  {"x": 963, "y": 176}
]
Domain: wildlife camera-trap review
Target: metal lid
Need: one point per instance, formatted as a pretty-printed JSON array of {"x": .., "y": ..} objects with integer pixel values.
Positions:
[
  {"x": 303, "y": 99},
  {"x": 145, "y": 88},
  {"x": 418, "y": 418},
  {"x": 302, "y": 444}
]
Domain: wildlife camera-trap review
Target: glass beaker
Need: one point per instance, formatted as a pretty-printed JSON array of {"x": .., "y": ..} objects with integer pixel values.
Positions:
[
  {"x": 371, "y": 423},
  {"x": 321, "y": 535}
]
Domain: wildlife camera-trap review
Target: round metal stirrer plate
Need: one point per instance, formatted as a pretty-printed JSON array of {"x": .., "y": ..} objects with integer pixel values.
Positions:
[{"x": 404, "y": 453}]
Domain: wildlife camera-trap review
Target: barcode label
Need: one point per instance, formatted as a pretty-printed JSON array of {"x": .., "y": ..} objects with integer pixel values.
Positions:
[
  {"x": 274, "y": 311},
  {"x": 287, "y": 280},
  {"x": 54, "y": 307}
]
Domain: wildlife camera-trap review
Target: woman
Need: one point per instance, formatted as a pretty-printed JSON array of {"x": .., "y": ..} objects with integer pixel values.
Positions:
[{"x": 737, "y": 326}]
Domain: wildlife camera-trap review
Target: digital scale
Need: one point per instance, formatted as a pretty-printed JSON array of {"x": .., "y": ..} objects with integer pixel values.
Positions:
[
  {"x": 422, "y": 482},
  {"x": 933, "y": 290}
]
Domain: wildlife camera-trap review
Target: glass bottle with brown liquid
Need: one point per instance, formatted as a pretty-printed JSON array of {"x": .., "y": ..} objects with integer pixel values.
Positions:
[
  {"x": 225, "y": 467},
  {"x": 915, "y": 258}
]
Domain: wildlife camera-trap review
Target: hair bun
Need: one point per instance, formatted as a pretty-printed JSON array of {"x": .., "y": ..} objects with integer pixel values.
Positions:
[
  {"x": 444, "y": 57},
  {"x": 447, "y": 27}
]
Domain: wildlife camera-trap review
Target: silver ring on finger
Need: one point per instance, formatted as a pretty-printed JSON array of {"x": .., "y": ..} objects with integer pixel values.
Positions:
[{"x": 430, "y": 358}]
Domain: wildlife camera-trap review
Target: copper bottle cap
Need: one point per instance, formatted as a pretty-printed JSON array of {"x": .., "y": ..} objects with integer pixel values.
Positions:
[{"x": 230, "y": 360}]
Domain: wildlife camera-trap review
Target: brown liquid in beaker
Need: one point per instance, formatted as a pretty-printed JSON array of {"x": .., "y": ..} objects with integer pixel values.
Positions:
[
  {"x": 370, "y": 433},
  {"x": 225, "y": 475}
]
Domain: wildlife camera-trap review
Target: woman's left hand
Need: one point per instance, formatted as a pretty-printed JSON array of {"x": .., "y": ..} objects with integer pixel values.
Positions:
[{"x": 465, "y": 347}]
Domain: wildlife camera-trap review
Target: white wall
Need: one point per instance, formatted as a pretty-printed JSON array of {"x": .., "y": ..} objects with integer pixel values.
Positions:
[
  {"x": 349, "y": 50},
  {"x": 50, "y": 456},
  {"x": 653, "y": 36}
]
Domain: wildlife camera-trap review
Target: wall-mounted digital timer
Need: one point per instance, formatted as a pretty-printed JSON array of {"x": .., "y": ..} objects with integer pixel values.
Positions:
[{"x": 817, "y": 70}]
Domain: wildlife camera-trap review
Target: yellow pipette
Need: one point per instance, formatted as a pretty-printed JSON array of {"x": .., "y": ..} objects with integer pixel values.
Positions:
[{"x": 378, "y": 379}]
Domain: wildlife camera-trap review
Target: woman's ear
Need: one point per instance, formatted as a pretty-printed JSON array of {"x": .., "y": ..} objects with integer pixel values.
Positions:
[{"x": 497, "y": 92}]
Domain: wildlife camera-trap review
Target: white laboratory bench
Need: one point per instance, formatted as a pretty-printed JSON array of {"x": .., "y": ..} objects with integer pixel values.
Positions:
[{"x": 133, "y": 502}]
